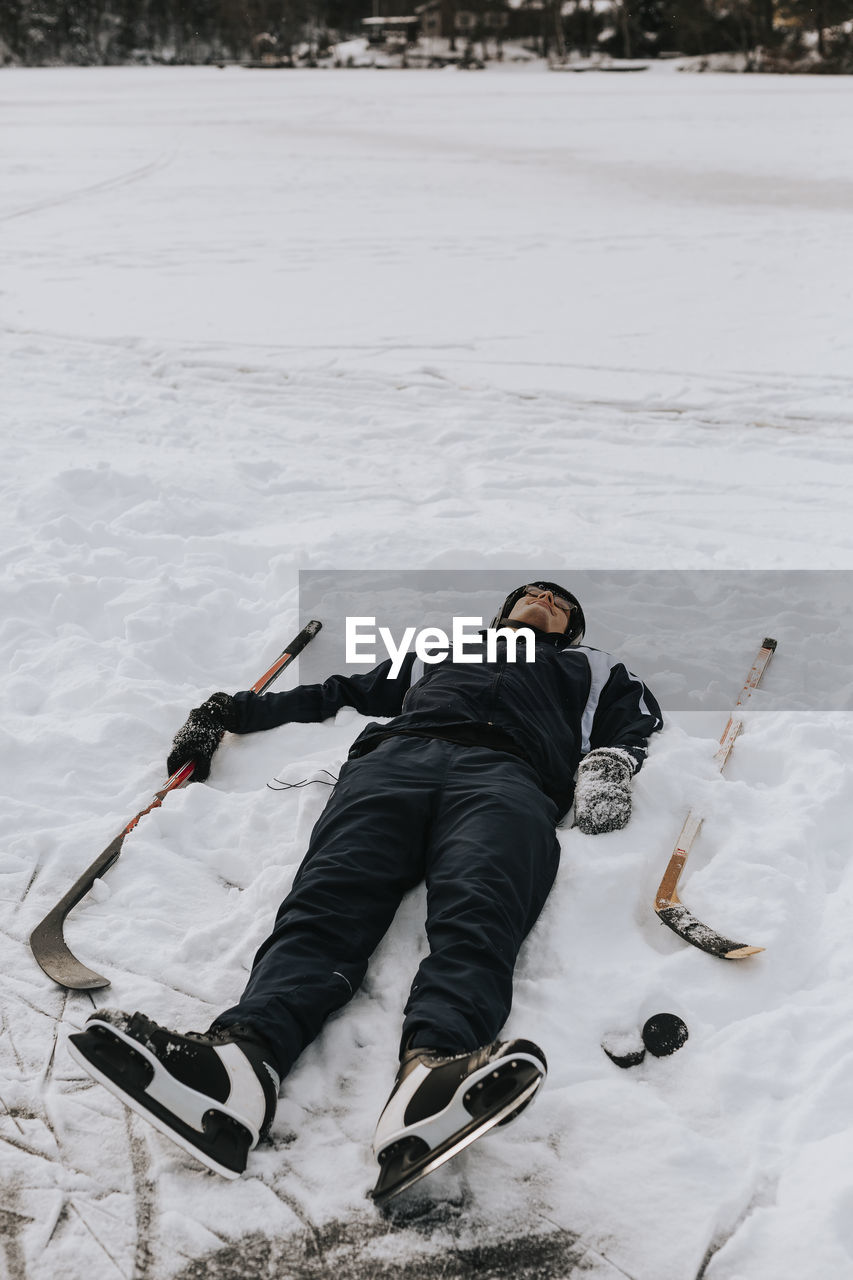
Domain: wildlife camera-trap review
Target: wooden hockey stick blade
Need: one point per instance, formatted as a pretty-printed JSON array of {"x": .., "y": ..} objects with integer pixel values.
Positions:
[
  {"x": 673, "y": 912},
  {"x": 679, "y": 919},
  {"x": 47, "y": 940}
]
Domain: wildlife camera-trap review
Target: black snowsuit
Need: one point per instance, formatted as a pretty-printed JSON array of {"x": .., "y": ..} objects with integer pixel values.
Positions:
[{"x": 461, "y": 789}]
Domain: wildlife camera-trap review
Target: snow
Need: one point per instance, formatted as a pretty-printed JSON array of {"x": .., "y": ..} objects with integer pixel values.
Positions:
[{"x": 472, "y": 327}]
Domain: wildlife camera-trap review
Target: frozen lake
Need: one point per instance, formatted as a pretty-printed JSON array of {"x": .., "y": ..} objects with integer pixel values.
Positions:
[{"x": 547, "y": 230}]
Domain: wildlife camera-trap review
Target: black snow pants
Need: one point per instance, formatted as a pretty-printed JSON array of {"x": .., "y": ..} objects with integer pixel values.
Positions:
[{"x": 471, "y": 822}]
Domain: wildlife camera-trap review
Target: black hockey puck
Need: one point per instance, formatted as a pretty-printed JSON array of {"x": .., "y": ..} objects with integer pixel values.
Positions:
[
  {"x": 623, "y": 1048},
  {"x": 663, "y": 1033}
]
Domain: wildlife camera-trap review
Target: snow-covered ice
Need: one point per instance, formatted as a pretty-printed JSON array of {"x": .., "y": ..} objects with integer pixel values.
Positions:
[{"x": 254, "y": 324}]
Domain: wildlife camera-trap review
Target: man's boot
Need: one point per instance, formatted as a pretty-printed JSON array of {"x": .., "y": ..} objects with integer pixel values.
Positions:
[
  {"x": 213, "y": 1093},
  {"x": 442, "y": 1102}
]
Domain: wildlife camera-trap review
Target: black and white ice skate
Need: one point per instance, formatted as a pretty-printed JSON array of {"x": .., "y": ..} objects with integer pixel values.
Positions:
[
  {"x": 214, "y": 1094},
  {"x": 442, "y": 1103}
]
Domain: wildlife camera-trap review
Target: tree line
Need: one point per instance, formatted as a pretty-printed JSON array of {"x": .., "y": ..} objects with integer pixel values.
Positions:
[
  {"x": 791, "y": 34},
  {"x": 772, "y": 34}
]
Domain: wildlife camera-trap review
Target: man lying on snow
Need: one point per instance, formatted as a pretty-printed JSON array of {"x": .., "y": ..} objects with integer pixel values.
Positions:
[{"x": 462, "y": 789}]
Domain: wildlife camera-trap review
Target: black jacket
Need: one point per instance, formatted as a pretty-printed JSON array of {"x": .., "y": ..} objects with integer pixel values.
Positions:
[{"x": 551, "y": 712}]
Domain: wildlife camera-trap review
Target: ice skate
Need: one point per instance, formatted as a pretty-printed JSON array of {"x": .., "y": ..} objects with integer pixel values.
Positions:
[
  {"x": 214, "y": 1094},
  {"x": 441, "y": 1103}
]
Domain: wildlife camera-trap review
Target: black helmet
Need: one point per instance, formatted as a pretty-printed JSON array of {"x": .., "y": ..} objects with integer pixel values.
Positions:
[{"x": 577, "y": 622}]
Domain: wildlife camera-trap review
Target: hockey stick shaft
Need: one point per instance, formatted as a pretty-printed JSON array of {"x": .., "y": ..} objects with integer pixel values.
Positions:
[
  {"x": 47, "y": 940},
  {"x": 667, "y": 903}
]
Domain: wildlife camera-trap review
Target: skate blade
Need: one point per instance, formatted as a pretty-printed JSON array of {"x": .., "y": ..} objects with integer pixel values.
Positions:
[
  {"x": 447, "y": 1150},
  {"x": 135, "y": 1104}
]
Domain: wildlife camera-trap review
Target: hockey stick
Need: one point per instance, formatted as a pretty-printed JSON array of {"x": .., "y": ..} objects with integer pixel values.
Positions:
[
  {"x": 47, "y": 939},
  {"x": 667, "y": 902}
]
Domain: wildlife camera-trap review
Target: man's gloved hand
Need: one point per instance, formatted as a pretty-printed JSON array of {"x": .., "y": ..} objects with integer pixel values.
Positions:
[
  {"x": 603, "y": 790},
  {"x": 200, "y": 736}
]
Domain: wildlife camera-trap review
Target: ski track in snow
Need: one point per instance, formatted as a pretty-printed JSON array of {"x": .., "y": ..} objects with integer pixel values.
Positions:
[
  {"x": 160, "y": 494},
  {"x": 109, "y": 184}
]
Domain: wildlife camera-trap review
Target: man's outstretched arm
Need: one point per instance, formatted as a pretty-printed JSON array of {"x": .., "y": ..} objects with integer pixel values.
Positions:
[{"x": 373, "y": 693}]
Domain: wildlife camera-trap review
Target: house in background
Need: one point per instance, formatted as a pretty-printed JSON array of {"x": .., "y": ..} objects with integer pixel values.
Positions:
[
  {"x": 392, "y": 32},
  {"x": 462, "y": 23},
  {"x": 452, "y": 19}
]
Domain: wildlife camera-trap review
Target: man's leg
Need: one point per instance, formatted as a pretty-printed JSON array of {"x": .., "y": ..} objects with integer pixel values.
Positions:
[
  {"x": 215, "y": 1093},
  {"x": 493, "y": 855},
  {"x": 491, "y": 860},
  {"x": 366, "y": 851}
]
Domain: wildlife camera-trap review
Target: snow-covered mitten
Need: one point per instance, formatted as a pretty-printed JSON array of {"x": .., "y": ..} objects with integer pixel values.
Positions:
[
  {"x": 603, "y": 790},
  {"x": 200, "y": 736}
]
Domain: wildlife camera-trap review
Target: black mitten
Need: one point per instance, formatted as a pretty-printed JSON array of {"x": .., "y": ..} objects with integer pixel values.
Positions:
[
  {"x": 200, "y": 736},
  {"x": 603, "y": 790}
]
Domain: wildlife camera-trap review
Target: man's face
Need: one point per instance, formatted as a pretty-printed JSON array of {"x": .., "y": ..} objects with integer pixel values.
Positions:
[{"x": 537, "y": 609}]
